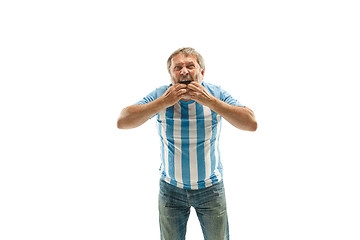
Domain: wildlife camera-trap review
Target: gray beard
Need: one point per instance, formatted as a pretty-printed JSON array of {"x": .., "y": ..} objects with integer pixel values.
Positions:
[{"x": 185, "y": 98}]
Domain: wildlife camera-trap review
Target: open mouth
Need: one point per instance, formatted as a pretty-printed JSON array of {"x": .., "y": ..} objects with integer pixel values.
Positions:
[{"x": 186, "y": 81}]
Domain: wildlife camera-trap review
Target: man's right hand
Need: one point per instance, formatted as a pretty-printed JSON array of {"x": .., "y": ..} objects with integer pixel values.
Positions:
[
  {"x": 135, "y": 115},
  {"x": 174, "y": 93}
]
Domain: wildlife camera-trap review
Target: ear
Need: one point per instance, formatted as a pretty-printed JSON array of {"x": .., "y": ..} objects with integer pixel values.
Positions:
[{"x": 203, "y": 72}]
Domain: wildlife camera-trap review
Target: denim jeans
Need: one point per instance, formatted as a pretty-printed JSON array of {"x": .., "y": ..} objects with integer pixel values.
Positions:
[{"x": 209, "y": 204}]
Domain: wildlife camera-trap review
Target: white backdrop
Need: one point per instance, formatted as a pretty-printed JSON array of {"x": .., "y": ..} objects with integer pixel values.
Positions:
[{"x": 68, "y": 68}]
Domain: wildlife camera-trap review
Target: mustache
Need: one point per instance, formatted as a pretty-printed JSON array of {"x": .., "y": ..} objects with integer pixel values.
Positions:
[{"x": 185, "y": 78}]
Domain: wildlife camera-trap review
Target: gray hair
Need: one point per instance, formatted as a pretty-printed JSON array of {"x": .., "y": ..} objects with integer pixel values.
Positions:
[{"x": 187, "y": 51}]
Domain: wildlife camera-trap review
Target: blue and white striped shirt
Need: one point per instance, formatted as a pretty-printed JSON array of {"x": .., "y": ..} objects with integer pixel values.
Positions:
[{"x": 189, "y": 137}]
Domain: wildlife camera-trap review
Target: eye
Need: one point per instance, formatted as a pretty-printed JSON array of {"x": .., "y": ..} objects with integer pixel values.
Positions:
[
  {"x": 177, "y": 68},
  {"x": 191, "y": 66}
]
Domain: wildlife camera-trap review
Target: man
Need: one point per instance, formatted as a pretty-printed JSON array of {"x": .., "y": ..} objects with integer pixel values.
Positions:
[{"x": 189, "y": 113}]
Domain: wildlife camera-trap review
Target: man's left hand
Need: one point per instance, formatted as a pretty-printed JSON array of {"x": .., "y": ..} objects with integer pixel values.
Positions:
[{"x": 197, "y": 92}]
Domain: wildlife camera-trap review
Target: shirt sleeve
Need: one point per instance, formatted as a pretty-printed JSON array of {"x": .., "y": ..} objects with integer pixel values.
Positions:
[
  {"x": 158, "y": 92},
  {"x": 221, "y": 94},
  {"x": 149, "y": 98},
  {"x": 226, "y": 97},
  {"x": 152, "y": 96}
]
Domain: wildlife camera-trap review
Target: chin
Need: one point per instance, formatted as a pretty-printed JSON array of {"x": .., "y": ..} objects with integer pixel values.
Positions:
[{"x": 186, "y": 98}]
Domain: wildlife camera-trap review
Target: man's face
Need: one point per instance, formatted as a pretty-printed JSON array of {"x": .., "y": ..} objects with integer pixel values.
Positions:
[{"x": 184, "y": 68}]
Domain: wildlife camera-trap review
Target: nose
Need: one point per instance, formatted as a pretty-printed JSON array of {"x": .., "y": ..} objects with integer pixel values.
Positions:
[{"x": 184, "y": 71}]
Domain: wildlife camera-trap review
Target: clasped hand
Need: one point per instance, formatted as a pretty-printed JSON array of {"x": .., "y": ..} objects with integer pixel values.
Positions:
[{"x": 192, "y": 91}]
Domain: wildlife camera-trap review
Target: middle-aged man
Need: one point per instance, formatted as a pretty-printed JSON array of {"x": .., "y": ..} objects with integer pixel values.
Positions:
[{"x": 189, "y": 113}]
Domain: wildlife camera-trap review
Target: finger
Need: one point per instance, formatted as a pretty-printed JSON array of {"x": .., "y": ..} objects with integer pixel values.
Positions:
[
  {"x": 192, "y": 93},
  {"x": 179, "y": 86},
  {"x": 193, "y": 83},
  {"x": 193, "y": 87},
  {"x": 182, "y": 91}
]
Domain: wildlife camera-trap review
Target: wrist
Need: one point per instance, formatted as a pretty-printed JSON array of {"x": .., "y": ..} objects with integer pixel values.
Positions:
[
  {"x": 162, "y": 103},
  {"x": 213, "y": 102}
]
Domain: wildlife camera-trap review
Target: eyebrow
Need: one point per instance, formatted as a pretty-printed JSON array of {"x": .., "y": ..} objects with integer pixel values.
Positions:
[{"x": 186, "y": 63}]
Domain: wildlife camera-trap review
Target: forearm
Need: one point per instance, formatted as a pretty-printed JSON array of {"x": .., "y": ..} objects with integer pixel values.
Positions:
[
  {"x": 240, "y": 117},
  {"x": 135, "y": 115}
]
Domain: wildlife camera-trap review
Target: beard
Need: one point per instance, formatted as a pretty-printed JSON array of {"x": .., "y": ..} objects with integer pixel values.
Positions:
[{"x": 186, "y": 98}]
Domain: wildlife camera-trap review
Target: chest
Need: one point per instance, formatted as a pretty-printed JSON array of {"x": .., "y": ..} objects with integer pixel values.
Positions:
[{"x": 188, "y": 121}]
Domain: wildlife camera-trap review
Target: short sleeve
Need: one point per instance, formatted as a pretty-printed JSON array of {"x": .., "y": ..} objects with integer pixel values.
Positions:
[
  {"x": 149, "y": 98},
  {"x": 152, "y": 96},
  {"x": 226, "y": 97}
]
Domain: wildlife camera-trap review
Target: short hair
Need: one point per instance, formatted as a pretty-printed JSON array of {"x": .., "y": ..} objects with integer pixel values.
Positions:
[{"x": 187, "y": 51}]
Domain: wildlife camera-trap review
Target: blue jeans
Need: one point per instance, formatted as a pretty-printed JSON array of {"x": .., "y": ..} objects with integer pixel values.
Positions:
[{"x": 210, "y": 206}]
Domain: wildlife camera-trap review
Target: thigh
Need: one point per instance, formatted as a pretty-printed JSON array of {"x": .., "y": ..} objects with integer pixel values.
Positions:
[
  {"x": 211, "y": 210},
  {"x": 174, "y": 211}
]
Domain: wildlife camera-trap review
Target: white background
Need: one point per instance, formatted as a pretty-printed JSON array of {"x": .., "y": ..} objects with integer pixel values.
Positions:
[{"x": 68, "y": 68}]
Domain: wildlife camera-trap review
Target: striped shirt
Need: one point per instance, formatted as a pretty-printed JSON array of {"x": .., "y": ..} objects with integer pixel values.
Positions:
[{"x": 189, "y": 138}]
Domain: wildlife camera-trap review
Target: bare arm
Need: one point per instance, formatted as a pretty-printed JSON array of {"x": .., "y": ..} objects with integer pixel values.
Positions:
[
  {"x": 135, "y": 115},
  {"x": 240, "y": 117}
]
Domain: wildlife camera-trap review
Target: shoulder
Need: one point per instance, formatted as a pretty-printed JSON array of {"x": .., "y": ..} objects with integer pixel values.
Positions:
[
  {"x": 161, "y": 90},
  {"x": 215, "y": 90},
  {"x": 220, "y": 93},
  {"x": 158, "y": 92}
]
